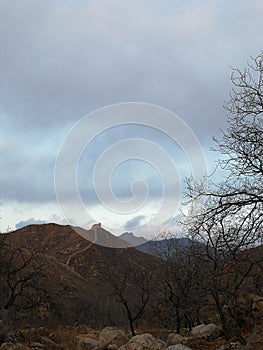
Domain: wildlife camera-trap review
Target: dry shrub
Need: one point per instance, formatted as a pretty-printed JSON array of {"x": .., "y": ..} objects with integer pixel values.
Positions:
[{"x": 67, "y": 338}]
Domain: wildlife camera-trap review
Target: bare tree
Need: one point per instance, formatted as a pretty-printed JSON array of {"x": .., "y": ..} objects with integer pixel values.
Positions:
[
  {"x": 229, "y": 221},
  {"x": 182, "y": 279},
  {"x": 228, "y": 268},
  {"x": 240, "y": 195},
  {"x": 20, "y": 270},
  {"x": 132, "y": 287}
]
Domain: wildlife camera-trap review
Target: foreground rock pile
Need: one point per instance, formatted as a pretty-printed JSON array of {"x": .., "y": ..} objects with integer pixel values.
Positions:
[{"x": 110, "y": 338}]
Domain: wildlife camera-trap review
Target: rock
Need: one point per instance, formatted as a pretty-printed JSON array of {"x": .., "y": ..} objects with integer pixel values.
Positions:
[
  {"x": 178, "y": 347},
  {"x": 113, "y": 347},
  {"x": 144, "y": 342},
  {"x": 87, "y": 344},
  {"x": 174, "y": 338},
  {"x": 230, "y": 346},
  {"x": 208, "y": 332},
  {"x": 50, "y": 343},
  {"x": 112, "y": 335}
]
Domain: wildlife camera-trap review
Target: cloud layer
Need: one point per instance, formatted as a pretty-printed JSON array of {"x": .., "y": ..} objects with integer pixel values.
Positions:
[{"x": 60, "y": 60}]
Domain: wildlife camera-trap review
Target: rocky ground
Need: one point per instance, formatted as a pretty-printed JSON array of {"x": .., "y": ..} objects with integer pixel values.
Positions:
[{"x": 202, "y": 337}]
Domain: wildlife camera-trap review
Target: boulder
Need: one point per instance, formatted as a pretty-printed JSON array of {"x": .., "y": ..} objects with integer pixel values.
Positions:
[
  {"x": 50, "y": 343},
  {"x": 208, "y": 332},
  {"x": 144, "y": 342},
  {"x": 87, "y": 344},
  {"x": 112, "y": 336},
  {"x": 174, "y": 338},
  {"x": 113, "y": 347},
  {"x": 178, "y": 347}
]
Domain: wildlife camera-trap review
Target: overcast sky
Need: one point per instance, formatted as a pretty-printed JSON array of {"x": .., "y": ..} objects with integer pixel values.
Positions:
[{"x": 61, "y": 60}]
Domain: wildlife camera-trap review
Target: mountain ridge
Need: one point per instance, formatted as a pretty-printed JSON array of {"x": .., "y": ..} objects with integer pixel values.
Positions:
[{"x": 130, "y": 238}]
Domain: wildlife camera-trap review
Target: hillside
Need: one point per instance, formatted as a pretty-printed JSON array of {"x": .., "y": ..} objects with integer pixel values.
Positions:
[
  {"x": 76, "y": 281},
  {"x": 76, "y": 271}
]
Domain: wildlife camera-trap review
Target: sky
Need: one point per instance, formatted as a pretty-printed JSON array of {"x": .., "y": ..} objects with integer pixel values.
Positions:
[{"x": 69, "y": 68}]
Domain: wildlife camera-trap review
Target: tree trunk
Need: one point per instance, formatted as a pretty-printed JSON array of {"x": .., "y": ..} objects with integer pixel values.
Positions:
[
  {"x": 224, "y": 323},
  {"x": 132, "y": 328},
  {"x": 240, "y": 338},
  {"x": 189, "y": 322},
  {"x": 198, "y": 316},
  {"x": 10, "y": 301},
  {"x": 178, "y": 321}
]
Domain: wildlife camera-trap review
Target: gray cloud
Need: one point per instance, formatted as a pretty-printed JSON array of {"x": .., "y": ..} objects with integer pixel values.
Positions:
[
  {"x": 34, "y": 221},
  {"x": 27, "y": 174},
  {"x": 134, "y": 222},
  {"x": 31, "y": 221},
  {"x": 61, "y": 60}
]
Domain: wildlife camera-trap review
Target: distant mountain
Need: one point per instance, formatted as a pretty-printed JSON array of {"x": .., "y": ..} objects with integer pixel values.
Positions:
[
  {"x": 100, "y": 236},
  {"x": 158, "y": 248},
  {"x": 133, "y": 240}
]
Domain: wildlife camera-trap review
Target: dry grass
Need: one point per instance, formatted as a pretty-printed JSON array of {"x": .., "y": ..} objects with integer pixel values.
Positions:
[
  {"x": 201, "y": 344},
  {"x": 68, "y": 337}
]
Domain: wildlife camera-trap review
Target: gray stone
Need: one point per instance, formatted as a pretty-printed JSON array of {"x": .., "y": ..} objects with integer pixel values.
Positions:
[
  {"x": 174, "y": 338},
  {"x": 87, "y": 344},
  {"x": 112, "y": 335},
  {"x": 178, "y": 347},
  {"x": 50, "y": 343},
  {"x": 144, "y": 342},
  {"x": 208, "y": 332}
]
